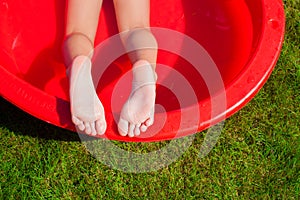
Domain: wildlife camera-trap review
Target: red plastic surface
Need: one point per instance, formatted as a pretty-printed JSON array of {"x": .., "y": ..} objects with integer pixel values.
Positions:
[{"x": 244, "y": 38}]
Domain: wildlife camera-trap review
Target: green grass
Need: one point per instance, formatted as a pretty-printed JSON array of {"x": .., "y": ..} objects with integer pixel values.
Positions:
[{"x": 257, "y": 156}]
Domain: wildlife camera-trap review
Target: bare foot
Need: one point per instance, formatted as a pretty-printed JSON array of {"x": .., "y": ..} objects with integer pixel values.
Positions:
[
  {"x": 138, "y": 112},
  {"x": 86, "y": 109}
]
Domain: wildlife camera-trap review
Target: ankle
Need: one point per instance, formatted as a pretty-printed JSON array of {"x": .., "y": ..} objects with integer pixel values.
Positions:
[{"x": 143, "y": 71}]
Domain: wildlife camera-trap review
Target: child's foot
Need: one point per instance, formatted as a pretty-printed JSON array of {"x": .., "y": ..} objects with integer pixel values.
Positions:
[
  {"x": 138, "y": 112},
  {"x": 86, "y": 109}
]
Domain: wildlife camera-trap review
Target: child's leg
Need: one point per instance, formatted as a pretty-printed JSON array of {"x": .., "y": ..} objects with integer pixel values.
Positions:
[
  {"x": 133, "y": 22},
  {"x": 81, "y": 26}
]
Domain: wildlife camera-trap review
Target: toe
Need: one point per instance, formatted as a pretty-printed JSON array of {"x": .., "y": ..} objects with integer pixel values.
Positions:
[
  {"x": 131, "y": 129},
  {"x": 100, "y": 127},
  {"x": 143, "y": 128},
  {"x": 104, "y": 126},
  {"x": 149, "y": 122},
  {"x": 93, "y": 128},
  {"x": 88, "y": 129},
  {"x": 123, "y": 127},
  {"x": 137, "y": 131},
  {"x": 81, "y": 126},
  {"x": 78, "y": 123}
]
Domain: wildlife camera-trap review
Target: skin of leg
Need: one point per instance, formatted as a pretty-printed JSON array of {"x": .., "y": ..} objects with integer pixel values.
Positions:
[
  {"x": 133, "y": 18},
  {"x": 81, "y": 26}
]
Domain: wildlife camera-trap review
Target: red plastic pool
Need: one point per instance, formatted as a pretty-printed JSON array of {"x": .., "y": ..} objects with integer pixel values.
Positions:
[{"x": 243, "y": 37}]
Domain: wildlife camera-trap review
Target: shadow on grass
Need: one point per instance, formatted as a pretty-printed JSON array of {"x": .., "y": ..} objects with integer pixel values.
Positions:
[{"x": 22, "y": 123}]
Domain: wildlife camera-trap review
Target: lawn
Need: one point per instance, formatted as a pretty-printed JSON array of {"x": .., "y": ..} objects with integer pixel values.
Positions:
[{"x": 257, "y": 155}]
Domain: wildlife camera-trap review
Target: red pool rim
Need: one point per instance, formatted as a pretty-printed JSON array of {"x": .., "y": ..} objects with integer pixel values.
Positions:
[{"x": 44, "y": 106}]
